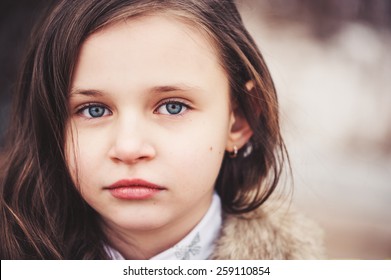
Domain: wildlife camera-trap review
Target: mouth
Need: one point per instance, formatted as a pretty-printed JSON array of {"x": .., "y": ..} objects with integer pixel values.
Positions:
[{"x": 135, "y": 189}]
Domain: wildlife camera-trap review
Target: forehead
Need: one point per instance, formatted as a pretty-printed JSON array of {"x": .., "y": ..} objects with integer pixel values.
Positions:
[
  {"x": 143, "y": 46},
  {"x": 147, "y": 29}
]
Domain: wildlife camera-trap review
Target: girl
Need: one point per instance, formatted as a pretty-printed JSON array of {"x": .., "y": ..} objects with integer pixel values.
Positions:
[{"x": 146, "y": 130}]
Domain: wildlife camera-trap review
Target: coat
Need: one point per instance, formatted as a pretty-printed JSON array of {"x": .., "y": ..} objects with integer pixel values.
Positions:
[{"x": 268, "y": 233}]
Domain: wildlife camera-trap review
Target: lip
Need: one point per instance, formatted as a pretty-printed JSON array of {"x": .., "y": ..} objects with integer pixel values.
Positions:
[{"x": 135, "y": 189}]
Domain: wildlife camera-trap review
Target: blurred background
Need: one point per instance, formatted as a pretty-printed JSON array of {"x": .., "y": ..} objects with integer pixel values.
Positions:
[
  {"x": 331, "y": 64},
  {"x": 17, "y": 19}
]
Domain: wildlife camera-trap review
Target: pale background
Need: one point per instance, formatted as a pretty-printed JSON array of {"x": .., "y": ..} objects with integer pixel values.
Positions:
[{"x": 331, "y": 64}]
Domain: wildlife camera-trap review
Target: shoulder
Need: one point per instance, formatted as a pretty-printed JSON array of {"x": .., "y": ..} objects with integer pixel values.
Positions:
[{"x": 270, "y": 232}]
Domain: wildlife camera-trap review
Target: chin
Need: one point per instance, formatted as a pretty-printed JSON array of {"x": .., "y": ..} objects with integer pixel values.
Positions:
[{"x": 140, "y": 223}]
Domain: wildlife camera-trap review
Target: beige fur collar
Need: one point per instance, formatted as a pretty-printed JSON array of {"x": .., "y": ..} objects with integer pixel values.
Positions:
[{"x": 268, "y": 233}]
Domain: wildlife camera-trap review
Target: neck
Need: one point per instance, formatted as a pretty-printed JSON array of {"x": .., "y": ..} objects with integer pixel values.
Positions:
[{"x": 144, "y": 244}]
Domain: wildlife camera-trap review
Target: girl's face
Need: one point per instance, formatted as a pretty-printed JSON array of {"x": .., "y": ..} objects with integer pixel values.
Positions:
[{"x": 150, "y": 121}]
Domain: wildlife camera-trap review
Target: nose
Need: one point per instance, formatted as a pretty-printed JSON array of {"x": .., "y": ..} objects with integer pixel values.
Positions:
[{"x": 130, "y": 143}]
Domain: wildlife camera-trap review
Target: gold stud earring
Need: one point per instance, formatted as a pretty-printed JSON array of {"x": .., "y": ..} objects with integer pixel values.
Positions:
[{"x": 234, "y": 153}]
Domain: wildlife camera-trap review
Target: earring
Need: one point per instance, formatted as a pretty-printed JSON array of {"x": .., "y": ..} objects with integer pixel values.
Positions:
[
  {"x": 248, "y": 149},
  {"x": 234, "y": 153}
]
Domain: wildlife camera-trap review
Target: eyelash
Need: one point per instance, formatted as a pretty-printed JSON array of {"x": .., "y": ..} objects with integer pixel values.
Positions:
[{"x": 184, "y": 105}]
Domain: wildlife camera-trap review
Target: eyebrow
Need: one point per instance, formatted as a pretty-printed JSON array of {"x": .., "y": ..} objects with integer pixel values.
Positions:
[
  {"x": 153, "y": 90},
  {"x": 87, "y": 92},
  {"x": 173, "y": 88}
]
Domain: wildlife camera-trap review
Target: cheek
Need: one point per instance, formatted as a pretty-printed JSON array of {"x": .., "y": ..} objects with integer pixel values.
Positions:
[
  {"x": 78, "y": 159},
  {"x": 77, "y": 166},
  {"x": 197, "y": 158},
  {"x": 204, "y": 168}
]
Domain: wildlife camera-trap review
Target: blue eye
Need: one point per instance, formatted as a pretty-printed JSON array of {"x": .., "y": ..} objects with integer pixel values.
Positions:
[
  {"x": 94, "y": 111},
  {"x": 172, "y": 108}
]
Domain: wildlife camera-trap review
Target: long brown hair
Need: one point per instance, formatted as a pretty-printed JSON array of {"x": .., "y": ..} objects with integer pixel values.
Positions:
[{"x": 42, "y": 214}]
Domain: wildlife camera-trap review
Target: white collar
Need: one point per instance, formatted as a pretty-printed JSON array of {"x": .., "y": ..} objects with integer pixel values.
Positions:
[{"x": 197, "y": 245}]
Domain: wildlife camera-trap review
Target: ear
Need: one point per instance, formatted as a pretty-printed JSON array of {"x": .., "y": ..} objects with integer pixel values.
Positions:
[{"x": 240, "y": 131}]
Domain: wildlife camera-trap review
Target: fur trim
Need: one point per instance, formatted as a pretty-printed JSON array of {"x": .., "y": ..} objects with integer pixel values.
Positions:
[{"x": 269, "y": 234}]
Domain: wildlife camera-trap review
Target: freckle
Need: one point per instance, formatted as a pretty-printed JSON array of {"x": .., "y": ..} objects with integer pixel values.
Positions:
[{"x": 211, "y": 149}]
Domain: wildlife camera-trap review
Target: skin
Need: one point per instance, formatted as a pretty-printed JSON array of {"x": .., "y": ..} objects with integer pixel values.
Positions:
[{"x": 126, "y": 73}]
